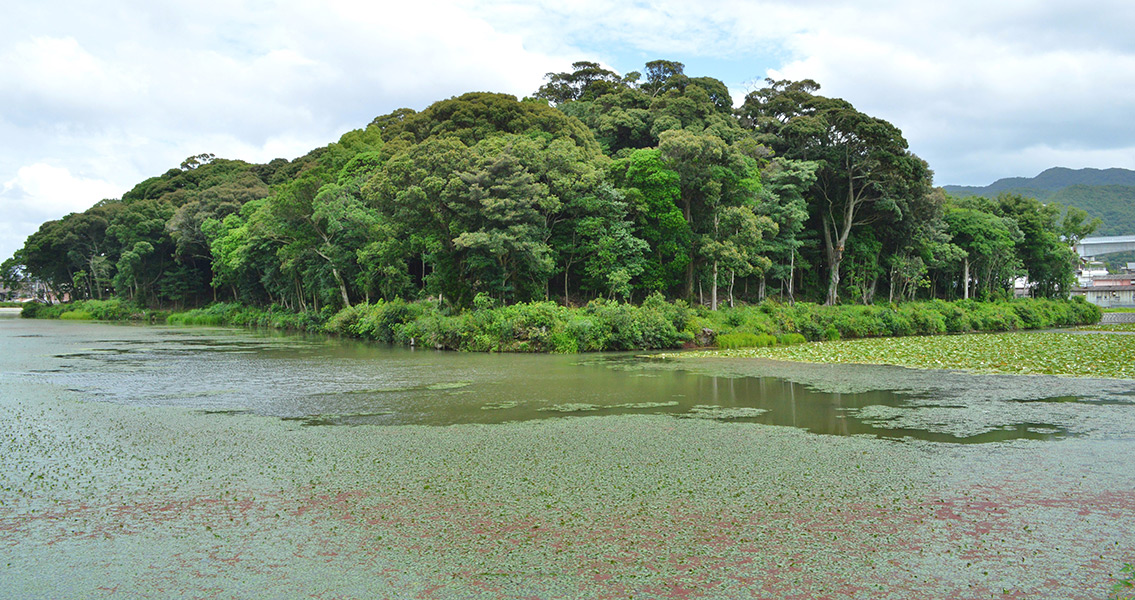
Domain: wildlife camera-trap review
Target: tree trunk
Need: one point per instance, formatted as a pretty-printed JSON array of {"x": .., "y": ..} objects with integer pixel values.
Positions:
[
  {"x": 713, "y": 294},
  {"x": 965, "y": 276},
  {"x": 342, "y": 287},
  {"x": 833, "y": 280},
  {"x": 791, "y": 276},
  {"x": 891, "y": 291},
  {"x": 567, "y": 296},
  {"x": 690, "y": 280},
  {"x": 687, "y": 213},
  {"x": 834, "y": 245}
]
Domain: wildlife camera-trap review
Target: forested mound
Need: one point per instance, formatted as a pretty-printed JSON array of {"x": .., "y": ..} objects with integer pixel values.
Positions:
[{"x": 601, "y": 185}]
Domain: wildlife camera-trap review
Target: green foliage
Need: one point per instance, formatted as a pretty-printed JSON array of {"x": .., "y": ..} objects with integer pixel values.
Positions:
[
  {"x": 1124, "y": 586},
  {"x": 814, "y": 322},
  {"x": 525, "y": 327},
  {"x": 228, "y": 313},
  {"x": 603, "y": 324},
  {"x": 32, "y": 310}
]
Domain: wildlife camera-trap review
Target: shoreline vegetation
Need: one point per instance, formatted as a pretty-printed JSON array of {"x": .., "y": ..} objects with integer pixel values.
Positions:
[{"x": 605, "y": 325}]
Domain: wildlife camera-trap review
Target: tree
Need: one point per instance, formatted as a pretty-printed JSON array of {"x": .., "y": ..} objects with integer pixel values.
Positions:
[
  {"x": 866, "y": 175},
  {"x": 653, "y": 196},
  {"x": 1048, "y": 260},
  {"x": 987, "y": 243},
  {"x": 712, "y": 177},
  {"x": 587, "y": 81},
  {"x": 735, "y": 243},
  {"x": 1077, "y": 225},
  {"x": 785, "y": 183},
  {"x": 506, "y": 252},
  {"x": 662, "y": 76}
]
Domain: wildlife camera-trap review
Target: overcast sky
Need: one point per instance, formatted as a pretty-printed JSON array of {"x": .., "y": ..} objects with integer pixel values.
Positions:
[{"x": 95, "y": 97}]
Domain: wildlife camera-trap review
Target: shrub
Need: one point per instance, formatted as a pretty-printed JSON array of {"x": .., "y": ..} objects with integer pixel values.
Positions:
[
  {"x": 925, "y": 319},
  {"x": 728, "y": 341},
  {"x": 791, "y": 339},
  {"x": 109, "y": 310},
  {"x": 31, "y": 310}
]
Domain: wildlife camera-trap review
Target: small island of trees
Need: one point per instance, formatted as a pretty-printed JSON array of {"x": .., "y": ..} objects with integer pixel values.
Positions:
[{"x": 598, "y": 190}]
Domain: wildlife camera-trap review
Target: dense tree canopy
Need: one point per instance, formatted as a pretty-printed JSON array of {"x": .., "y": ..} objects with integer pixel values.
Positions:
[{"x": 601, "y": 185}]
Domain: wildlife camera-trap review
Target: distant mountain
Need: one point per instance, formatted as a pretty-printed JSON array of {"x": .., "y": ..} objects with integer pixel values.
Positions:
[
  {"x": 1105, "y": 193},
  {"x": 1050, "y": 180}
]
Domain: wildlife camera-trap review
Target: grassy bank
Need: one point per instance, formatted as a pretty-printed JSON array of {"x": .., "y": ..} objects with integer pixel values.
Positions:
[{"x": 606, "y": 325}]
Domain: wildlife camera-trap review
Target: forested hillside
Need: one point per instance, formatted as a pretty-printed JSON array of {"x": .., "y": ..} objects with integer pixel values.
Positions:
[
  {"x": 600, "y": 185},
  {"x": 1108, "y": 194}
]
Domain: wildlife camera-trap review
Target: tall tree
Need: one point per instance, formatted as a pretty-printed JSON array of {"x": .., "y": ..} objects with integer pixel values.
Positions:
[
  {"x": 866, "y": 173},
  {"x": 712, "y": 176},
  {"x": 786, "y": 181}
]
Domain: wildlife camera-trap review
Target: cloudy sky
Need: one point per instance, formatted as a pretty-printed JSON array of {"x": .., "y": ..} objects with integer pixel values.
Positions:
[{"x": 95, "y": 97}]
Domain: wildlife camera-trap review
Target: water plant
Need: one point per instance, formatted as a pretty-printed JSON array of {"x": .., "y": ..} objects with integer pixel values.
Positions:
[
  {"x": 1124, "y": 587},
  {"x": 1050, "y": 353}
]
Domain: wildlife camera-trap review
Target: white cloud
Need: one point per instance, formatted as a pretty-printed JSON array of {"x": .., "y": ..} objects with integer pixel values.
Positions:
[
  {"x": 46, "y": 189},
  {"x": 127, "y": 89},
  {"x": 975, "y": 87},
  {"x": 42, "y": 192}
]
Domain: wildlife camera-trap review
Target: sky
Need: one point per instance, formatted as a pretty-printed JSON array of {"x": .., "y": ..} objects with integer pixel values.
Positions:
[{"x": 96, "y": 97}]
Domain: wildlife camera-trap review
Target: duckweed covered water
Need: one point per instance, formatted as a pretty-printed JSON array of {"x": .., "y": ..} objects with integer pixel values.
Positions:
[{"x": 146, "y": 462}]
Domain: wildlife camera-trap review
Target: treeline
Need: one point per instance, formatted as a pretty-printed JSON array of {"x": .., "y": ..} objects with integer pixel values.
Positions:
[{"x": 599, "y": 186}]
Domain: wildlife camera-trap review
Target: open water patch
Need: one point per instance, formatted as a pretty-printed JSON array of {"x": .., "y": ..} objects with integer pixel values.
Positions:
[{"x": 330, "y": 382}]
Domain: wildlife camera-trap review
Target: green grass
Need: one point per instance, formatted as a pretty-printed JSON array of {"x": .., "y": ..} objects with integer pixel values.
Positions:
[
  {"x": 76, "y": 315},
  {"x": 1119, "y": 310},
  {"x": 1050, "y": 353}
]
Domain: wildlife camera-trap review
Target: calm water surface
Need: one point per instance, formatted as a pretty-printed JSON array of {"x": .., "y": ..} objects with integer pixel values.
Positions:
[{"x": 328, "y": 381}]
